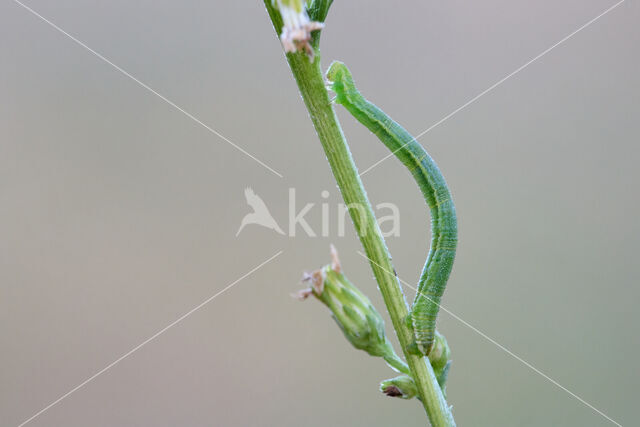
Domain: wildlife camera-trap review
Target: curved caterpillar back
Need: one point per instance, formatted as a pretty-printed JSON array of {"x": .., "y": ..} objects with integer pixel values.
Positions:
[{"x": 444, "y": 228}]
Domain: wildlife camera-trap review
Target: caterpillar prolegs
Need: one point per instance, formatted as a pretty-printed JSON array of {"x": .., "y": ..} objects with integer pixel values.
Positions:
[{"x": 444, "y": 228}]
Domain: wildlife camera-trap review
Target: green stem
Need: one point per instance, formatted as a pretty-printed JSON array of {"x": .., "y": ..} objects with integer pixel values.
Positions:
[
  {"x": 396, "y": 363},
  {"x": 312, "y": 87}
]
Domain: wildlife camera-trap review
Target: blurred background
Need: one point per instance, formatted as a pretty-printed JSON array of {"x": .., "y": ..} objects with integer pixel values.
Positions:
[{"x": 118, "y": 213}]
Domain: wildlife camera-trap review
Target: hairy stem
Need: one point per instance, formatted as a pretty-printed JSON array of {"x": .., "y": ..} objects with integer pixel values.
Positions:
[{"x": 310, "y": 80}]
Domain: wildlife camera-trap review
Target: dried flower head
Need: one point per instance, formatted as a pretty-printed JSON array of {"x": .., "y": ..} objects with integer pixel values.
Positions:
[{"x": 297, "y": 27}]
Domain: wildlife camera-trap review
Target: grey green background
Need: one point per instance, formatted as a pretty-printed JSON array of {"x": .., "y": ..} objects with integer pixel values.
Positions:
[{"x": 118, "y": 213}]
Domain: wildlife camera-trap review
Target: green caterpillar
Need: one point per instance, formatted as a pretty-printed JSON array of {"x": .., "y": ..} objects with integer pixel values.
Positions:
[{"x": 444, "y": 228}]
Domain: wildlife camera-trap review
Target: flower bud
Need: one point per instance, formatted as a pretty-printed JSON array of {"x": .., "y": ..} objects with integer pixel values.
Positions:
[
  {"x": 440, "y": 358},
  {"x": 402, "y": 387},
  {"x": 358, "y": 319}
]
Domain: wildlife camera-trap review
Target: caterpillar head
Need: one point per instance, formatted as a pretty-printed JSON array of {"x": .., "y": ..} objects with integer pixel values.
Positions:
[{"x": 340, "y": 81}]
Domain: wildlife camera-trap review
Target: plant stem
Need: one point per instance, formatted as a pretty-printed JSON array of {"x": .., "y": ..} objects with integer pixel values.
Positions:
[
  {"x": 311, "y": 84},
  {"x": 396, "y": 363}
]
